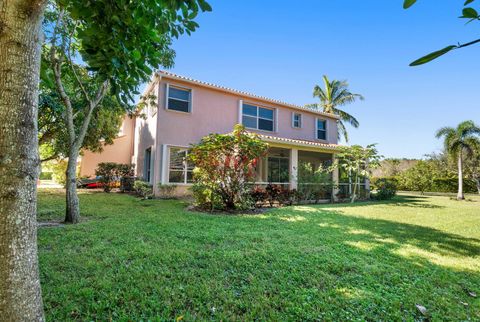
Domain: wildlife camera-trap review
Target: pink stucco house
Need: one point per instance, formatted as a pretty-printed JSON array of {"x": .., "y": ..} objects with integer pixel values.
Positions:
[{"x": 186, "y": 110}]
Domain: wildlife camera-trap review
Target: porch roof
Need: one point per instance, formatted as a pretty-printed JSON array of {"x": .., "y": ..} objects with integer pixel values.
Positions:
[{"x": 300, "y": 143}]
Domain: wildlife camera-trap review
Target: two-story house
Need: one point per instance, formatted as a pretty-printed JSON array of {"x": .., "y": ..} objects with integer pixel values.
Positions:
[{"x": 187, "y": 110}]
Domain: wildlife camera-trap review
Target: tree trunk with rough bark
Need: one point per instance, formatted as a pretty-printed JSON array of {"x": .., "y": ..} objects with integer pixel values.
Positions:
[
  {"x": 20, "y": 44},
  {"x": 72, "y": 213},
  {"x": 460, "y": 195}
]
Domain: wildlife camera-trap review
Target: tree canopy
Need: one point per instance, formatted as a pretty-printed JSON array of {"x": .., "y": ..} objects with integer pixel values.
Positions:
[
  {"x": 123, "y": 42},
  {"x": 52, "y": 132}
]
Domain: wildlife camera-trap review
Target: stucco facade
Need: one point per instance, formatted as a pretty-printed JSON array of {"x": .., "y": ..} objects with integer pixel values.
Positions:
[
  {"x": 185, "y": 110},
  {"x": 215, "y": 109},
  {"x": 121, "y": 151}
]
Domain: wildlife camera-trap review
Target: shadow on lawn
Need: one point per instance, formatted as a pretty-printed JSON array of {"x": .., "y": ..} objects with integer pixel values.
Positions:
[
  {"x": 403, "y": 201},
  {"x": 299, "y": 263},
  {"x": 379, "y": 232}
]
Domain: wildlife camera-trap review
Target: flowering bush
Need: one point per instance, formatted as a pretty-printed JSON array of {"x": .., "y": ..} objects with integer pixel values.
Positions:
[{"x": 225, "y": 165}]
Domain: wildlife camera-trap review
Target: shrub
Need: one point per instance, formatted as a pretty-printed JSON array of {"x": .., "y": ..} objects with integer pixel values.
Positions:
[
  {"x": 110, "y": 174},
  {"x": 126, "y": 172},
  {"x": 418, "y": 177},
  {"x": 166, "y": 191},
  {"x": 451, "y": 185},
  {"x": 259, "y": 196},
  {"x": 274, "y": 194},
  {"x": 385, "y": 188},
  {"x": 107, "y": 171},
  {"x": 287, "y": 197},
  {"x": 143, "y": 189},
  {"x": 126, "y": 183},
  {"x": 46, "y": 175},
  {"x": 224, "y": 168},
  {"x": 59, "y": 170},
  {"x": 206, "y": 198}
]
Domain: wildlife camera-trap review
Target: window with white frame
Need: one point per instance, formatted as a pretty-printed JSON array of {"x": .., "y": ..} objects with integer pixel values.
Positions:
[
  {"x": 180, "y": 169},
  {"x": 321, "y": 129},
  {"x": 296, "y": 120},
  {"x": 179, "y": 99},
  {"x": 259, "y": 118}
]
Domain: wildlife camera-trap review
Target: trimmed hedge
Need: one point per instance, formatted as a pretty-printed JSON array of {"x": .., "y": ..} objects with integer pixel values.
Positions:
[{"x": 437, "y": 184}]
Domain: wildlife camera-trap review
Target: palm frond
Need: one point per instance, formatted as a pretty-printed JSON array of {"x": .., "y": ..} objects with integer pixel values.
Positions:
[
  {"x": 444, "y": 131},
  {"x": 346, "y": 117},
  {"x": 467, "y": 128},
  {"x": 342, "y": 131}
]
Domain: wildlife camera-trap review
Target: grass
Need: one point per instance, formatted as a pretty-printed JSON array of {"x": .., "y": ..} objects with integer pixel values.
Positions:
[{"x": 153, "y": 260}]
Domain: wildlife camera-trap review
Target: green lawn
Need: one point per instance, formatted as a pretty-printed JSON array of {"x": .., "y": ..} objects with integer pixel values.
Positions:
[{"x": 153, "y": 260}]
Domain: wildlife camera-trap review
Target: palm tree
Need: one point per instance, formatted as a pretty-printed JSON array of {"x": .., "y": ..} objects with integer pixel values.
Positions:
[
  {"x": 336, "y": 94},
  {"x": 458, "y": 142}
]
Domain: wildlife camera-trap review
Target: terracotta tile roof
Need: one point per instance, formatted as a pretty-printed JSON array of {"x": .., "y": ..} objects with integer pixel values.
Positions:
[
  {"x": 163, "y": 73},
  {"x": 299, "y": 142}
]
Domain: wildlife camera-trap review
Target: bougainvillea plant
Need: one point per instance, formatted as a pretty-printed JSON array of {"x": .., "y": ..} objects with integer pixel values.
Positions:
[{"x": 225, "y": 167}]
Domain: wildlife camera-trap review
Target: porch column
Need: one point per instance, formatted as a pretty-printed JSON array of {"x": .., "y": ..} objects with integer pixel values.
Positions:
[
  {"x": 293, "y": 168},
  {"x": 335, "y": 178},
  {"x": 163, "y": 165}
]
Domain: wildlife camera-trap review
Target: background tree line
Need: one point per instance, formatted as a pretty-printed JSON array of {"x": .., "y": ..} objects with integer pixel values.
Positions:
[{"x": 436, "y": 173}]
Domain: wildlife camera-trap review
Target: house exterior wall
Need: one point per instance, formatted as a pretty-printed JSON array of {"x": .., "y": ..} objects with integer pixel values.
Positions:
[
  {"x": 120, "y": 151},
  {"x": 212, "y": 111},
  {"x": 144, "y": 138}
]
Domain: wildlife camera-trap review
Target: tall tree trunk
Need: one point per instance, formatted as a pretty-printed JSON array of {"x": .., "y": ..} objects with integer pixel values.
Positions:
[
  {"x": 72, "y": 213},
  {"x": 20, "y": 45},
  {"x": 354, "y": 194},
  {"x": 477, "y": 180},
  {"x": 460, "y": 195}
]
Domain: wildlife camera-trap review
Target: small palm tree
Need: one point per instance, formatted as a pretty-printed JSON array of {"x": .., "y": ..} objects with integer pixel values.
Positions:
[
  {"x": 460, "y": 142},
  {"x": 336, "y": 94}
]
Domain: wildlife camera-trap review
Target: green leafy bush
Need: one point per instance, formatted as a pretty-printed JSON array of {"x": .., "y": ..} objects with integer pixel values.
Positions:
[
  {"x": 206, "y": 197},
  {"x": 225, "y": 167},
  {"x": 166, "y": 191},
  {"x": 428, "y": 176},
  {"x": 46, "y": 175},
  {"x": 385, "y": 188},
  {"x": 107, "y": 171},
  {"x": 143, "y": 189},
  {"x": 59, "y": 170},
  {"x": 451, "y": 185},
  {"x": 110, "y": 174}
]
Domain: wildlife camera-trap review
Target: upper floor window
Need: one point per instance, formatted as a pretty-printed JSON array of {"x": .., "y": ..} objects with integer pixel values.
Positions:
[
  {"x": 256, "y": 117},
  {"x": 180, "y": 170},
  {"x": 321, "y": 129},
  {"x": 297, "y": 120},
  {"x": 179, "y": 99}
]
